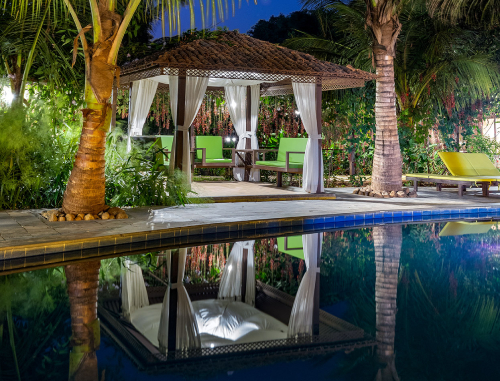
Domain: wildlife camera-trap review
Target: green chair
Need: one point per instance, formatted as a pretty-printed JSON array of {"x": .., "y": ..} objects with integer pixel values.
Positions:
[
  {"x": 467, "y": 169},
  {"x": 291, "y": 245},
  {"x": 164, "y": 144},
  {"x": 208, "y": 153},
  {"x": 290, "y": 158}
]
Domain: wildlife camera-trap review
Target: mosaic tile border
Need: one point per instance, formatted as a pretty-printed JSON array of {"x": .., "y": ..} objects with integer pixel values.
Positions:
[{"x": 50, "y": 254}]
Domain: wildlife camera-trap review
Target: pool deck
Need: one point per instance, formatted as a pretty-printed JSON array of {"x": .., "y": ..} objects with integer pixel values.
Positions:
[{"x": 24, "y": 234}]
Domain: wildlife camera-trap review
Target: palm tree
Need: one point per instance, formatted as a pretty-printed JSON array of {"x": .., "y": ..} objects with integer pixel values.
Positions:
[
  {"x": 83, "y": 283},
  {"x": 382, "y": 19},
  {"x": 85, "y": 190},
  {"x": 27, "y": 43},
  {"x": 387, "y": 241}
]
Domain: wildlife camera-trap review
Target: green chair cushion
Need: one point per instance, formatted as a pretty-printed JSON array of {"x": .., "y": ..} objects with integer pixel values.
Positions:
[
  {"x": 292, "y": 145},
  {"x": 213, "y": 144},
  {"x": 164, "y": 142},
  {"x": 279, "y": 164},
  {"x": 213, "y": 161},
  {"x": 293, "y": 246}
]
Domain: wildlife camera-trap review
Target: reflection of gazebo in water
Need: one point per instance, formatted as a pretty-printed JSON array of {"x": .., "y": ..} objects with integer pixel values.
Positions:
[
  {"x": 163, "y": 322},
  {"x": 244, "y": 69}
]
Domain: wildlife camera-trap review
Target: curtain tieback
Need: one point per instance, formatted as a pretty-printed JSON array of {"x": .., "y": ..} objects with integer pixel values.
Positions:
[
  {"x": 183, "y": 128},
  {"x": 247, "y": 135},
  {"x": 315, "y": 136},
  {"x": 174, "y": 286}
]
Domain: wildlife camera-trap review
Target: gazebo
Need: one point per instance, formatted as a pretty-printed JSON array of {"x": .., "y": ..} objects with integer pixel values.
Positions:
[{"x": 244, "y": 69}]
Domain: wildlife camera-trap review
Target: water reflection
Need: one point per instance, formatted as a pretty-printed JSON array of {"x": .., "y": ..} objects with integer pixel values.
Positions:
[
  {"x": 429, "y": 294},
  {"x": 387, "y": 241}
]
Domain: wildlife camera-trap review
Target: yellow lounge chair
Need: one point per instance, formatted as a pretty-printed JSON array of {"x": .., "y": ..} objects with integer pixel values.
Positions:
[{"x": 466, "y": 169}]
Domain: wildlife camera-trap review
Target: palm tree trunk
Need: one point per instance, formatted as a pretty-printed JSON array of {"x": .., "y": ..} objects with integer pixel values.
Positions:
[
  {"x": 85, "y": 191},
  {"x": 83, "y": 282},
  {"x": 387, "y": 241},
  {"x": 387, "y": 164}
]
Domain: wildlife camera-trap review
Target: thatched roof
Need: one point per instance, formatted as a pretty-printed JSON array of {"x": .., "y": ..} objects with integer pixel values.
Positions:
[{"x": 237, "y": 56}]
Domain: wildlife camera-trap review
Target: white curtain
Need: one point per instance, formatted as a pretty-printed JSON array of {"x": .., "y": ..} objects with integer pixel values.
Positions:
[
  {"x": 236, "y": 102},
  {"x": 301, "y": 318},
  {"x": 134, "y": 294},
  {"x": 195, "y": 91},
  {"x": 305, "y": 97},
  {"x": 187, "y": 335},
  {"x": 231, "y": 281},
  {"x": 143, "y": 93}
]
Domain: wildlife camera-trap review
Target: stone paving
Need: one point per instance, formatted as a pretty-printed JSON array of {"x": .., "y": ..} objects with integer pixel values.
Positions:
[{"x": 20, "y": 228}]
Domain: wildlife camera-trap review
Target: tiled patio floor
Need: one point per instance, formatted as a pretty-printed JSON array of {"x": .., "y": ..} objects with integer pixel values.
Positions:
[{"x": 20, "y": 228}]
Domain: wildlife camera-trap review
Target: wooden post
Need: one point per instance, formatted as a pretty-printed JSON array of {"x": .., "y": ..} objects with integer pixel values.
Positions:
[
  {"x": 113, "y": 108},
  {"x": 179, "y": 135},
  {"x": 495, "y": 126},
  {"x": 244, "y": 275},
  {"x": 129, "y": 120},
  {"x": 248, "y": 142},
  {"x": 352, "y": 160},
  {"x": 319, "y": 93},
  {"x": 172, "y": 312},
  {"x": 316, "y": 291}
]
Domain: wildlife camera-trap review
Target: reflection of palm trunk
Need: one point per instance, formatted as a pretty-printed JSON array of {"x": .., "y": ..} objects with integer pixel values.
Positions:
[
  {"x": 387, "y": 240},
  {"x": 83, "y": 283}
]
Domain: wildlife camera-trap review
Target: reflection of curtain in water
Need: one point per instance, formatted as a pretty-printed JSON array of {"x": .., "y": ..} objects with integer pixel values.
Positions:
[
  {"x": 387, "y": 241},
  {"x": 134, "y": 294},
  {"x": 231, "y": 281},
  {"x": 301, "y": 318},
  {"x": 187, "y": 335}
]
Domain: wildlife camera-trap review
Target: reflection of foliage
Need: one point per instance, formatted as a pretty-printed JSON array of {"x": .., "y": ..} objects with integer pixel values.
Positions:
[
  {"x": 448, "y": 322},
  {"x": 35, "y": 338},
  {"x": 206, "y": 263},
  {"x": 281, "y": 271}
]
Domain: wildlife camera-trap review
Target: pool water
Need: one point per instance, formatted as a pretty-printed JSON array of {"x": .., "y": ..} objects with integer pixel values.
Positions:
[{"x": 414, "y": 302}]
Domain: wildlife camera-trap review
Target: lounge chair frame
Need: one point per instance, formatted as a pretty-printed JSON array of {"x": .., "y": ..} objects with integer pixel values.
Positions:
[
  {"x": 204, "y": 163},
  {"x": 462, "y": 184},
  {"x": 279, "y": 170}
]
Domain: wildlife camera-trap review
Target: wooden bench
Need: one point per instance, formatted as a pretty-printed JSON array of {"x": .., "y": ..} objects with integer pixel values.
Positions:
[{"x": 290, "y": 158}]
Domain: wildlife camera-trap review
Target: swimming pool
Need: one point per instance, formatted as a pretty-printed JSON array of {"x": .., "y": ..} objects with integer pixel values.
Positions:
[{"x": 424, "y": 296}]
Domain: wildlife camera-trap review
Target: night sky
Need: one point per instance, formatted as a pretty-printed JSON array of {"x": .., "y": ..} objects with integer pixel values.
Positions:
[{"x": 244, "y": 17}]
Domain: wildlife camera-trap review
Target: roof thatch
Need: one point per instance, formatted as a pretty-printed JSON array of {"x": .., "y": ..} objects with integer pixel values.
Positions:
[{"x": 238, "y": 56}]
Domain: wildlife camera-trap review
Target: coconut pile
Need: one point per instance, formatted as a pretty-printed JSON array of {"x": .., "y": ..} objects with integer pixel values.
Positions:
[
  {"x": 107, "y": 214},
  {"x": 367, "y": 191}
]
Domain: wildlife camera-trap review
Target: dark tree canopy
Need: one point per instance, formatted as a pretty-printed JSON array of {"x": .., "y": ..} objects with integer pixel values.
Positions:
[{"x": 279, "y": 28}]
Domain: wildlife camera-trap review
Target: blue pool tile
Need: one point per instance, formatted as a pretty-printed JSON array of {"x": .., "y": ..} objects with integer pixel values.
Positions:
[
  {"x": 308, "y": 221},
  {"x": 339, "y": 219},
  {"x": 307, "y": 228},
  {"x": 349, "y": 223},
  {"x": 349, "y": 218},
  {"x": 407, "y": 218},
  {"x": 427, "y": 217},
  {"x": 368, "y": 216},
  {"x": 397, "y": 214},
  {"x": 483, "y": 210},
  {"x": 340, "y": 224},
  {"x": 319, "y": 220},
  {"x": 454, "y": 211},
  {"x": 359, "y": 217},
  {"x": 387, "y": 215},
  {"x": 377, "y": 216},
  {"x": 359, "y": 222},
  {"x": 426, "y": 213},
  {"x": 417, "y": 213},
  {"x": 329, "y": 220},
  {"x": 417, "y": 218},
  {"x": 407, "y": 213},
  {"x": 437, "y": 212},
  {"x": 464, "y": 211}
]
